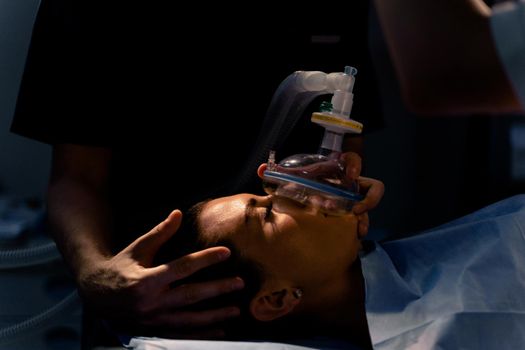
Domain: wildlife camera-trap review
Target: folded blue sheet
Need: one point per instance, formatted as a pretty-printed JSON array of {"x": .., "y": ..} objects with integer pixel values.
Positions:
[{"x": 459, "y": 286}]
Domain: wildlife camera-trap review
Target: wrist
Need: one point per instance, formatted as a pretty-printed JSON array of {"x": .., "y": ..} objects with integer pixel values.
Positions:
[{"x": 90, "y": 269}]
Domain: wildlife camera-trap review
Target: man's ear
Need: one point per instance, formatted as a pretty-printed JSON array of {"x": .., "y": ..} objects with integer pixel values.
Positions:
[
  {"x": 270, "y": 304},
  {"x": 261, "y": 169}
]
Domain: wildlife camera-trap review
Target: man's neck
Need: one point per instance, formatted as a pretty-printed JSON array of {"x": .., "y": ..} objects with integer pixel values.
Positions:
[{"x": 340, "y": 307}]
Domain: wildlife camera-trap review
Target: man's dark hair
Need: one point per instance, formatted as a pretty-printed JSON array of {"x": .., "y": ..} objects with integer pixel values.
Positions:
[{"x": 188, "y": 240}]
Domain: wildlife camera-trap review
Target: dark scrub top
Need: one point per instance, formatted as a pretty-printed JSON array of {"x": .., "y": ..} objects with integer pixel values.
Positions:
[{"x": 179, "y": 93}]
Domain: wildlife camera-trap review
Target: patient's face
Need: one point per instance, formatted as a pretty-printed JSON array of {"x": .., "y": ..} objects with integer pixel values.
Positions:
[{"x": 283, "y": 237}]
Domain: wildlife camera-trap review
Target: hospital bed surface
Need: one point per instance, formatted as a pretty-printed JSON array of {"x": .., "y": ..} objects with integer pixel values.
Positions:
[{"x": 144, "y": 343}]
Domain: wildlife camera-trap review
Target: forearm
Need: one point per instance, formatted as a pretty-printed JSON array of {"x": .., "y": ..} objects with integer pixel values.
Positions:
[
  {"x": 444, "y": 56},
  {"x": 78, "y": 207},
  {"x": 79, "y": 217}
]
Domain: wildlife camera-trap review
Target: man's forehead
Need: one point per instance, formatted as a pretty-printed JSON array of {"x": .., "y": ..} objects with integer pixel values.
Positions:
[
  {"x": 222, "y": 216},
  {"x": 225, "y": 207}
]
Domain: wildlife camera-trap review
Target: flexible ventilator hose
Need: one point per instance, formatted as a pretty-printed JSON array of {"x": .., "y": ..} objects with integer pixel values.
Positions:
[
  {"x": 16, "y": 258},
  {"x": 27, "y": 257},
  {"x": 12, "y": 332}
]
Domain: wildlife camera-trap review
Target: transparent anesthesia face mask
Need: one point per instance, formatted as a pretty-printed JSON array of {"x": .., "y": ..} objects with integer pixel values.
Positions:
[{"x": 315, "y": 181}]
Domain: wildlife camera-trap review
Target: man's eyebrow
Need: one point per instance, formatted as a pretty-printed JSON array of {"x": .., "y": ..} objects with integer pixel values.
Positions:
[{"x": 248, "y": 210}]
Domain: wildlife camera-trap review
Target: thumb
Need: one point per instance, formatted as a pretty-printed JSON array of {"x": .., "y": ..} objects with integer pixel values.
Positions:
[{"x": 146, "y": 246}]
